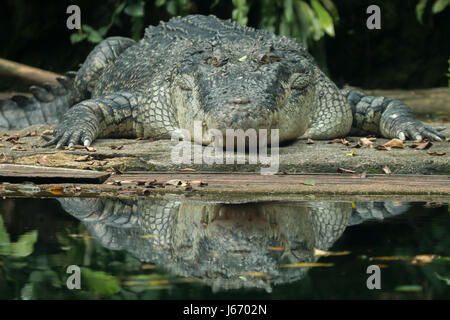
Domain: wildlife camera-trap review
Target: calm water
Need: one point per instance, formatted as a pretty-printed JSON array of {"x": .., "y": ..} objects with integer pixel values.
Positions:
[{"x": 173, "y": 249}]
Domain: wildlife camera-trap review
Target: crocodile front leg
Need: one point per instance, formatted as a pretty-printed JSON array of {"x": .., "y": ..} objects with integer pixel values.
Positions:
[
  {"x": 105, "y": 53},
  {"x": 112, "y": 115},
  {"x": 389, "y": 118}
]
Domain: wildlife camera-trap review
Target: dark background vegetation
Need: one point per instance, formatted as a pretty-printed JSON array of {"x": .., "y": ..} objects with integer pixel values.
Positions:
[{"x": 403, "y": 54}]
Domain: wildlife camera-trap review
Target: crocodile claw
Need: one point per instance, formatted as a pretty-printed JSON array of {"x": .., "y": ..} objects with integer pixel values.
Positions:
[
  {"x": 75, "y": 128},
  {"x": 416, "y": 130}
]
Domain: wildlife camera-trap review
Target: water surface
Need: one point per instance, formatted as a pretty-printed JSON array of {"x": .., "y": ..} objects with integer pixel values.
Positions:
[{"x": 149, "y": 248}]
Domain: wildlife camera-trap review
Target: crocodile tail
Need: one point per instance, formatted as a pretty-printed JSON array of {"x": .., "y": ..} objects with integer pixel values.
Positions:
[{"x": 46, "y": 105}]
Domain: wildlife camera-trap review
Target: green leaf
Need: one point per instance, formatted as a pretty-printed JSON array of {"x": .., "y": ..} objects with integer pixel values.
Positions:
[
  {"x": 446, "y": 280},
  {"x": 160, "y": 3},
  {"x": 420, "y": 9},
  {"x": 439, "y": 6},
  {"x": 171, "y": 7},
  {"x": 324, "y": 17},
  {"x": 120, "y": 7},
  {"x": 137, "y": 24},
  {"x": 76, "y": 37},
  {"x": 99, "y": 281},
  {"x": 92, "y": 35},
  {"x": 5, "y": 244},
  {"x": 240, "y": 11},
  {"x": 409, "y": 288},
  {"x": 309, "y": 183},
  {"x": 103, "y": 30},
  {"x": 288, "y": 11},
  {"x": 268, "y": 16},
  {"x": 313, "y": 21},
  {"x": 331, "y": 8},
  {"x": 135, "y": 9},
  {"x": 25, "y": 245}
]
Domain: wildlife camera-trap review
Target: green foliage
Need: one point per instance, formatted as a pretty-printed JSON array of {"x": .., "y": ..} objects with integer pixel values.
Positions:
[
  {"x": 175, "y": 7},
  {"x": 240, "y": 11},
  {"x": 306, "y": 21},
  {"x": 438, "y": 6},
  {"x": 23, "y": 247},
  {"x": 100, "y": 282},
  {"x": 133, "y": 8}
]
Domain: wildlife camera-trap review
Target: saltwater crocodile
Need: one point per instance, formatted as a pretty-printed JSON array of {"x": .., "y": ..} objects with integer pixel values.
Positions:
[
  {"x": 224, "y": 245},
  {"x": 201, "y": 68}
]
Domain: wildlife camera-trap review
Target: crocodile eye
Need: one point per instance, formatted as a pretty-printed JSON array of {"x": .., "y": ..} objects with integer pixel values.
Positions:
[
  {"x": 300, "y": 81},
  {"x": 216, "y": 61},
  {"x": 267, "y": 58}
]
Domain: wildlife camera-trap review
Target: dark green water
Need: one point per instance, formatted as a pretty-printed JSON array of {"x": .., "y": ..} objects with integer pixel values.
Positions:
[{"x": 158, "y": 249}]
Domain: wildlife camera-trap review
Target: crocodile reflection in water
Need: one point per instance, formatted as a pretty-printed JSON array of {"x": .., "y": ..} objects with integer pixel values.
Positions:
[{"x": 218, "y": 243}]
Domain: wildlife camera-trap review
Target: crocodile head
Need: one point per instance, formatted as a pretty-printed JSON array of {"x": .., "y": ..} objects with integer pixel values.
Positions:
[{"x": 245, "y": 85}]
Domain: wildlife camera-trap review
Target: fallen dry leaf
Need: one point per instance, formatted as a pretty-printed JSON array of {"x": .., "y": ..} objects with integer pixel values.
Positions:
[
  {"x": 30, "y": 134},
  {"x": 322, "y": 253},
  {"x": 366, "y": 142},
  {"x": 275, "y": 248},
  {"x": 426, "y": 144},
  {"x": 423, "y": 259},
  {"x": 176, "y": 182},
  {"x": 126, "y": 182},
  {"x": 343, "y": 141},
  {"x": 83, "y": 158},
  {"x": 75, "y": 147},
  {"x": 255, "y": 274},
  {"x": 57, "y": 190},
  {"x": 386, "y": 170},
  {"x": 18, "y": 147},
  {"x": 187, "y": 170},
  {"x": 310, "y": 141},
  {"x": 197, "y": 183},
  {"x": 116, "y": 147},
  {"x": 10, "y": 138},
  {"x": 47, "y": 132},
  {"x": 90, "y": 149},
  {"x": 394, "y": 143},
  {"x": 362, "y": 175},
  {"x": 436, "y": 153},
  {"x": 342, "y": 170},
  {"x": 42, "y": 160}
]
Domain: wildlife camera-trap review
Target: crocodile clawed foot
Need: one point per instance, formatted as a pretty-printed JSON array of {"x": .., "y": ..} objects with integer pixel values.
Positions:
[
  {"x": 70, "y": 132},
  {"x": 415, "y": 130}
]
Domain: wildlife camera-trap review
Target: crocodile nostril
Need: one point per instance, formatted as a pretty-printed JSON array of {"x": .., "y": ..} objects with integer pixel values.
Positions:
[{"x": 240, "y": 100}]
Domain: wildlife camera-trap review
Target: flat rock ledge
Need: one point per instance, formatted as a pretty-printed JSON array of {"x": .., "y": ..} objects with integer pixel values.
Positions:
[{"x": 125, "y": 155}]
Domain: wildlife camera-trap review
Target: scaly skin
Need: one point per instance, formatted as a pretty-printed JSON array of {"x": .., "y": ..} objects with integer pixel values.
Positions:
[
  {"x": 226, "y": 76},
  {"x": 218, "y": 243}
]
